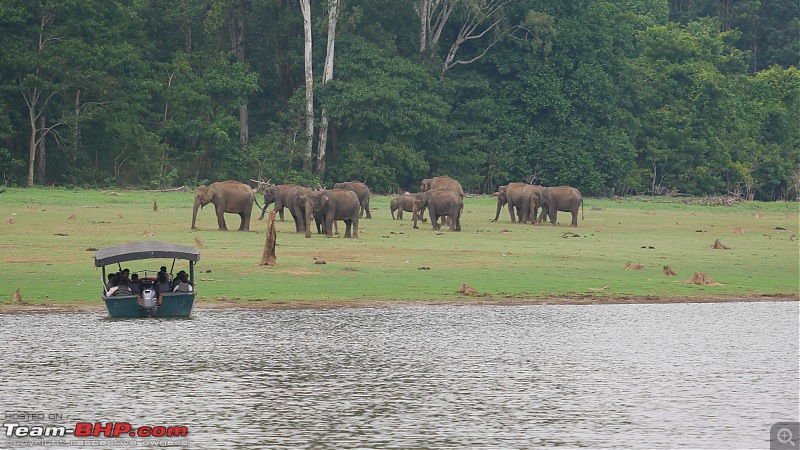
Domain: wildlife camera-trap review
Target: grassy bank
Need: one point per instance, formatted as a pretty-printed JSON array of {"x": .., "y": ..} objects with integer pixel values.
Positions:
[{"x": 43, "y": 251}]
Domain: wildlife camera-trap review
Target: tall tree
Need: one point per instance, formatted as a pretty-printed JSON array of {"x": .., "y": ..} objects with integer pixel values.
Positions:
[
  {"x": 39, "y": 78},
  {"x": 235, "y": 19},
  {"x": 308, "y": 58},
  {"x": 327, "y": 75}
]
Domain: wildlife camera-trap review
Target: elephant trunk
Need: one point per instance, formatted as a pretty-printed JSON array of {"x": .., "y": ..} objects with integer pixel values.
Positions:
[
  {"x": 309, "y": 207},
  {"x": 500, "y": 205},
  {"x": 194, "y": 211},
  {"x": 264, "y": 209}
]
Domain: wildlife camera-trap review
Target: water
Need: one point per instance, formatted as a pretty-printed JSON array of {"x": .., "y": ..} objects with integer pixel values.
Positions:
[{"x": 712, "y": 375}]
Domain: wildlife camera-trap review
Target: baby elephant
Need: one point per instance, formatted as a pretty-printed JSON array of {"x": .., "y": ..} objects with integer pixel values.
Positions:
[{"x": 402, "y": 203}]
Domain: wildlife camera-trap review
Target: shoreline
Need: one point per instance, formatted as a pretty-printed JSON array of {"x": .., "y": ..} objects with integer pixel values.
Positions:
[{"x": 219, "y": 304}]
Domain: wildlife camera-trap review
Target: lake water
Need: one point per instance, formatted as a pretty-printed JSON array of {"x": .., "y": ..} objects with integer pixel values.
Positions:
[{"x": 710, "y": 375}]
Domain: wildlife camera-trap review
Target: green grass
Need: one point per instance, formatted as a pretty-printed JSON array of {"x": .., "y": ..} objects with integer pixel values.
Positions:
[{"x": 498, "y": 259}]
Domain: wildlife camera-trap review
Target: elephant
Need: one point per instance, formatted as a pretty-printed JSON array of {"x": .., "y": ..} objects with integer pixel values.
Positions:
[
  {"x": 442, "y": 182},
  {"x": 299, "y": 202},
  {"x": 518, "y": 197},
  {"x": 440, "y": 202},
  {"x": 361, "y": 190},
  {"x": 554, "y": 199},
  {"x": 402, "y": 203},
  {"x": 281, "y": 195},
  {"x": 332, "y": 205},
  {"x": 227, "y": 197}
]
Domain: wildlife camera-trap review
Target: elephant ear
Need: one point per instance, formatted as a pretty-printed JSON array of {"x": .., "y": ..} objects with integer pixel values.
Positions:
[{"x": 324, "y": 199}]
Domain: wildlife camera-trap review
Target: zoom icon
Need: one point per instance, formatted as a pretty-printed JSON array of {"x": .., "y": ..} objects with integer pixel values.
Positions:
[{"x": 784, "y": 435}]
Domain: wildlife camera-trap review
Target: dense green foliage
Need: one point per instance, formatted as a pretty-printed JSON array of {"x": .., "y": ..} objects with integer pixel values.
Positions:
[{"x": 618, "y": 96}]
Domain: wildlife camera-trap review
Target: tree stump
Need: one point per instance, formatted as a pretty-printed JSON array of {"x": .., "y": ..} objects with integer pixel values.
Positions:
[
  {"x": 668, "y": 271},
  {"x": 719, "y": 246},
  {"x": 467, "y": 290},
  {"x": 18, "y": 297},
  {"x": 268, "y": 258},
  {"x": 155, "y": 206},
  {"x": 701, "y": 278}
]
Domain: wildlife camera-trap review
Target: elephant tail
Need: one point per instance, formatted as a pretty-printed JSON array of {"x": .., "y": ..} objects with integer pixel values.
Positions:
[{"x": 255, "y": 199}]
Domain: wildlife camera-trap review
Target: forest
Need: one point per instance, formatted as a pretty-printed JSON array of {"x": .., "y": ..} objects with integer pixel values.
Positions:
[{"x": 614, "y": 97}]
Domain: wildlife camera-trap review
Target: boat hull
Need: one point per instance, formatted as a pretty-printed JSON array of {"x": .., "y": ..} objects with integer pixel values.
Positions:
[{"x": 172, "y": 305}]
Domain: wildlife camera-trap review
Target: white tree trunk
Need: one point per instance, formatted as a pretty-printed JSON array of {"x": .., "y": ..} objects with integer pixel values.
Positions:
[
  {"x": 236, "y": 27},
  {"x": 305, "y": 6},
  {"x": 433, "y": 16},
  {"x": 327, "y": 75},
  {"x": 32, "y": 116}
]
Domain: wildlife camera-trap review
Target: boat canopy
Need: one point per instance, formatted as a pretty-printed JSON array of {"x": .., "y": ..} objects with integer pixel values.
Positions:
[{"x": 144, "y": 250}]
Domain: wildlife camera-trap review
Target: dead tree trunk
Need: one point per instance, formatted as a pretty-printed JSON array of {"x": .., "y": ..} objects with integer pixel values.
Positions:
[{"x": 268, "y": 258}]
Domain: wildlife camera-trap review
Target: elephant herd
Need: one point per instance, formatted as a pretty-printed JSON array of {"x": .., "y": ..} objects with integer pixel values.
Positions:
[
  {"x": 526, "y": 199},
  {"x": 346, "y": 202},
  {"x": 442, "y": 197}
]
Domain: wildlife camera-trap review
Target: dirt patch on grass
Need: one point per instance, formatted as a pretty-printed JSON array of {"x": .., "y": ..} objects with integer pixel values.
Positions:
[
  {"x": 296, "y": 271},
  {"x": 221, "y": 303}
]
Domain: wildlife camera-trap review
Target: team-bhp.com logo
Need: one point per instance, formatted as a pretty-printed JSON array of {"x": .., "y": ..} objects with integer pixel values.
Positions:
[
  {"x": 98, "y": 429},
  {"x": 109, "y": 434}
]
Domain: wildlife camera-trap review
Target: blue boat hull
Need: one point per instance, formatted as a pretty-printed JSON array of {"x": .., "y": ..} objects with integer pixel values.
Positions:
[{"x": 127, "y": 306}]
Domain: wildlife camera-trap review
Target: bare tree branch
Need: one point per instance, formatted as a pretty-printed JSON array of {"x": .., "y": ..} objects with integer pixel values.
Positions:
[{"x": 474, "y": 20}]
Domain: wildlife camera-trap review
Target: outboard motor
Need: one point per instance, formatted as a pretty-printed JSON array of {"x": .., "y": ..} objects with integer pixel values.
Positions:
[{"x": 149, "y": 298}]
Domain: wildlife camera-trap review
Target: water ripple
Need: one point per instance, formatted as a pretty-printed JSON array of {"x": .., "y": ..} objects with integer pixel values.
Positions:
[{"x": 644, "y": 376}]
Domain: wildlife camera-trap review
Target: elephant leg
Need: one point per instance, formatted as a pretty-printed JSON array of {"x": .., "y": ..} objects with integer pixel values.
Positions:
[
  {"x": 574, "y": 223},
  {"x": 329, "y": 225},
  {"x": 221, "y": 218},
  {"x": 553, "y": 216},
  {"x": 511, "y": 212},
  {"x": 347, "y": 224},
  {"x": 243, "y": 226},
  {"x": 526, "y": 213},
  {"x": 366, "y": 208},
  {"x": 280, "y": 213},
  {"x": 542, "y": 215},
  {"x": 399, "y": 214},
  {"x": 355, "y": 228}
]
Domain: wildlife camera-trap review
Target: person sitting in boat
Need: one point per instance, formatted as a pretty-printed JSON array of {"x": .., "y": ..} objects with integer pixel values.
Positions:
[
  {"x": 135, "y": 285},
  {"x": 109, "y": 278},
  {"x": 177, "y": 280},
  {"x": 164, "y": 271},
  {"x": 117, "y": 288},
  {"x": 163, "y": 282},
  {"x": 124, "y": 277},
  {"x": 183, "y": 284}
]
